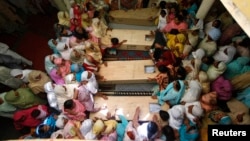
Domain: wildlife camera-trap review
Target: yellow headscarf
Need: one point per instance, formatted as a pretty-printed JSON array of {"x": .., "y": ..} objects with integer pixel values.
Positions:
[
  {"x": 63, "y": 18},
  {"x": 98, "y": 127}
]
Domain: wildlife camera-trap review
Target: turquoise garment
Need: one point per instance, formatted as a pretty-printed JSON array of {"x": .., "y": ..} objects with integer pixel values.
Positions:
[
  {"x": 171, "y": 95},
  {"x": 51, "y": 122},
  {"x": 156, "y": 90},
  {"x": 121, "y": 127},
  {"x": 78, "y": 76},
  {"x": 226, "y": 120},
  {"x": 244, "y": 97},
  {"x": 53, "y": 47},
  {"x": 188, "y": 136},
  {"x": 48, "y": 64},
  {"x": 192, "y": 12},
  {"x": 237, "y": 67},
  {"x": 74, "y": 68}
]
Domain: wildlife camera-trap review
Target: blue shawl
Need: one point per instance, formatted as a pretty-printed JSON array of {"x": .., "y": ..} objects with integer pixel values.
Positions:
[{"x": 171, "y": 95}]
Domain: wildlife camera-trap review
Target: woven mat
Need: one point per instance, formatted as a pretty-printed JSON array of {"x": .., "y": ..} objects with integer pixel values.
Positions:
[{"x": 128, "y": 55}]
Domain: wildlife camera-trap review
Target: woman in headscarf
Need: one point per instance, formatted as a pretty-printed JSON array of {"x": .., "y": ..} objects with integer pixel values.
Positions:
[
  {"x": 193, "y": 92},
  {"x": 198, "y": 56},
  {"x": 37, "y": 79},
  {"x": 97, "y": 30},
  {"x": 6, "y": 109},
  {"x": 74, "y": 23},
  {"x": 86, "y": 126},
  {"x": 110, "y": 131},
  {"x": 208, "y": 44},
  {"x": 52, "y": 45},
  {"x": 23, "y": 98},
  {"x": 90, "y": 77},
  {"x": 208, "y": 101},
  {"x": 64, "y": 92},
  {"x": 176, "y": 116},
  {"x": 8, "y": 79},
  {"x": 215, "y": 70},
  {"x": 70, "y": 128},
  {"x": 191, "y": 41},
  {"x": 176, "y": 45},
  {"x": 240, "y": 65},
  {"x": 237, "y": 67},
  {"x": 93, "y": 57},
  {"x": 172, "y": 94},
  {"x": 80, "y": 35},
  {"x": 62, "y": 31},
  {"x": 96, "y": 131},
  {"x": 224, "y": 90},
  {"x": 64, "y": 50},
  {"x": 62, "y": 66},
  {"x": 86, "y": 98},
  {"x": 49, "y": 62},
  {"x": 56, "y": 77},
  {"x": 21, "y": 74},
  {"x": 74, "y": 110},
  {"x": 77, "y": 56},
  {"x": 63, "y": 18},
  {"x": 30, "y": 117},
  {"x": 225, "y": 54},
  {"x": 51, "y": 96}
]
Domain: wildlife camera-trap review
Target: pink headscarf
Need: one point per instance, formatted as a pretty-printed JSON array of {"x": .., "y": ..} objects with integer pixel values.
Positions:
[
  {"x": 58, "y": 79},
  {"x": 63, "y": 66}
]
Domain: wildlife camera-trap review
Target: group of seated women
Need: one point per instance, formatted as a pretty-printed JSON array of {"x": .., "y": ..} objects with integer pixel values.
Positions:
[{"x": 199, "y": 75}]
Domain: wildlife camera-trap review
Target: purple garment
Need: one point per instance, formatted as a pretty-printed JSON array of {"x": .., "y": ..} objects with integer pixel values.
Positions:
[
  {"x": 56, "y": 78},
  {"x": 223, "y": 87},
  {"x": 86, "y": 98}
]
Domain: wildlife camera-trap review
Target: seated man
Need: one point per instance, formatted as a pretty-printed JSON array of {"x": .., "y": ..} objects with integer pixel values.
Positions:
[{"x": 146, "y": 131}]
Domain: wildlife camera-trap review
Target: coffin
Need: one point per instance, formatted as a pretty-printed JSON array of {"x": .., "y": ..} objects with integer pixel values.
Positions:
[
  {"x": 136, "y": 39},
  {"x": 125, "y": 105},
  {"x": 130, "y": 71},
  {"x": 133, "y": 16}
]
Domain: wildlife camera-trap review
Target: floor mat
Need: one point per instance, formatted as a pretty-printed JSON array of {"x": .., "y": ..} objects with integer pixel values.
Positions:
[{"x": 128, "y": 55}]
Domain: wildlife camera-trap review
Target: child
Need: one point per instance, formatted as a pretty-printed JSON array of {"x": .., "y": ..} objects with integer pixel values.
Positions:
[{"x": 114, "y": 44}]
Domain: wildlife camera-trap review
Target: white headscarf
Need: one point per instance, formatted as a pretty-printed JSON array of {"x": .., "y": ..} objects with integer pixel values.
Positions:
[
  {"x": 86, "y": 126},
  {"x": 60, "y": 121},
  {"x": 16, "y": 72},
  {"x": 197, "y": 110},
  {"x": 48, "y": 87},
  {"x": 214, "y": 72},
  {"x": 193, "y": 92},
  {"x": 220, "y": 55},
  {"x": 176, "y": 116},
  {"x": 198, "y": 54}
]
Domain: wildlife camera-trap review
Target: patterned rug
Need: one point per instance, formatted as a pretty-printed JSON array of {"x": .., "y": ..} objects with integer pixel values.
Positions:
[{"x": 128, "y": 55}]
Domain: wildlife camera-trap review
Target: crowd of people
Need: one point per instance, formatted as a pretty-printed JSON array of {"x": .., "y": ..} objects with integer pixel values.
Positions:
[{"x": 203, "y": 64}]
